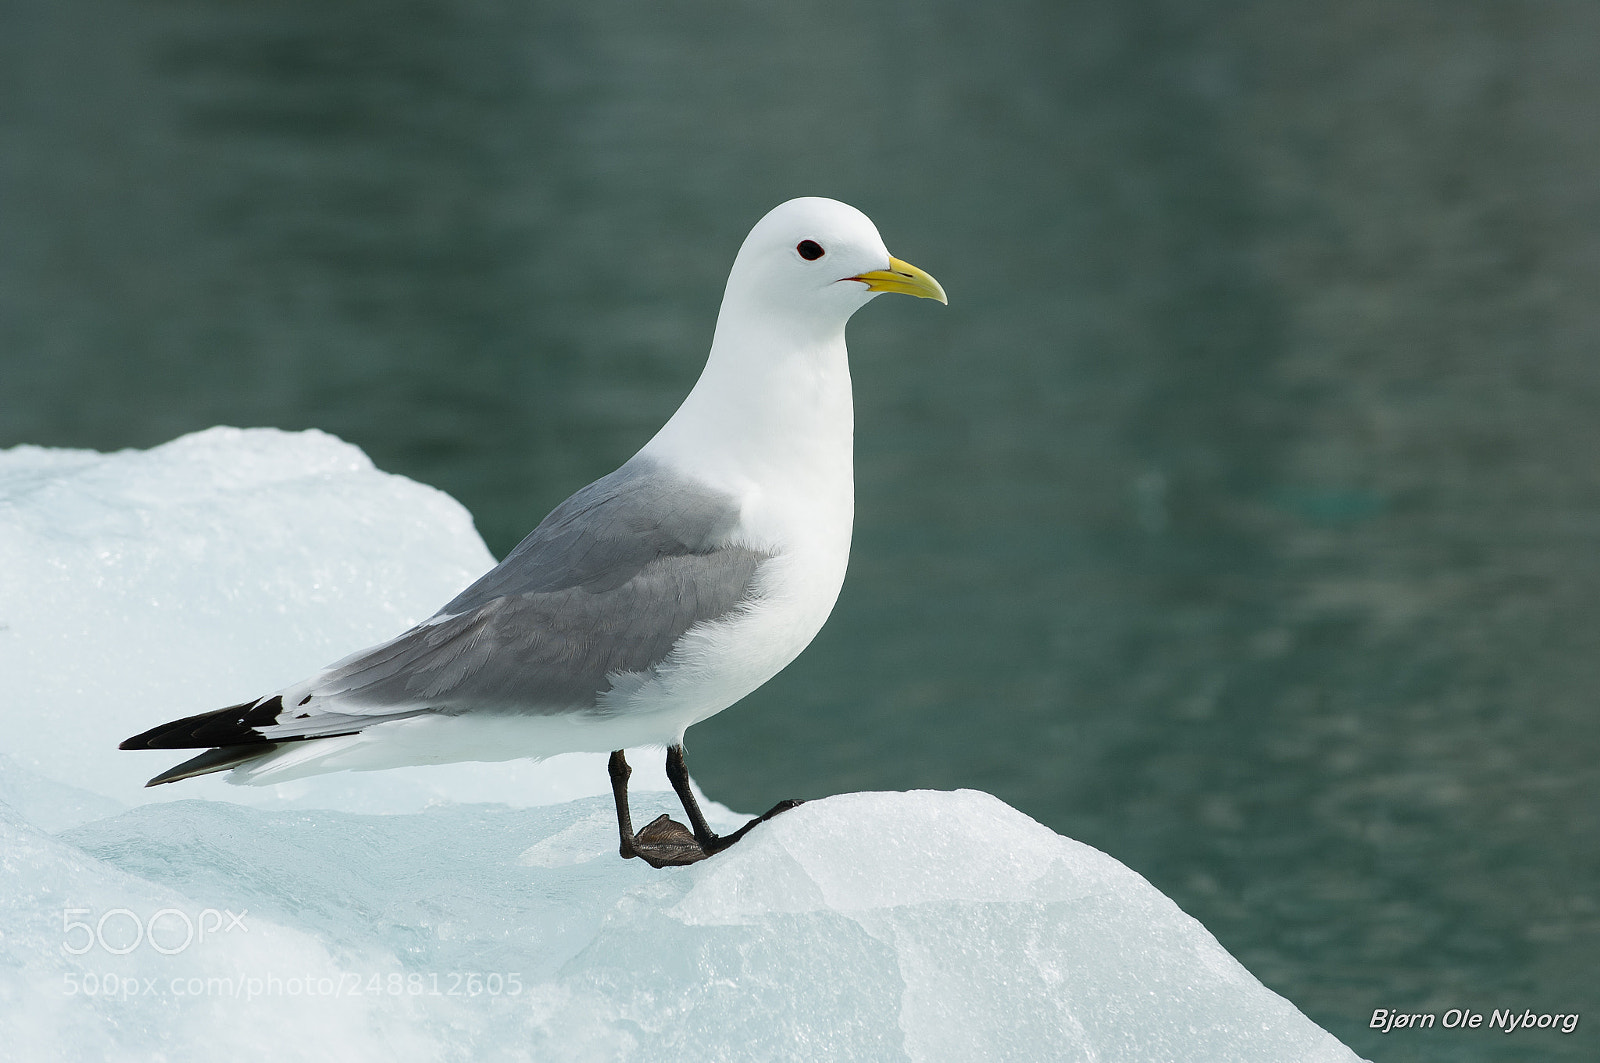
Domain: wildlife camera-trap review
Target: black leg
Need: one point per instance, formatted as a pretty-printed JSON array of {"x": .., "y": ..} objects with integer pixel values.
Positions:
[
  {"x": 619, "y": 793},
  {"x": 678, "y": 775},
  {"x": 662, "y": 842}
]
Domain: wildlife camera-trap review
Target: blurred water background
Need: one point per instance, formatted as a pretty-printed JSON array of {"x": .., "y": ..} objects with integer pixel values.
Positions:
[{"x": 1239, "y": 516}]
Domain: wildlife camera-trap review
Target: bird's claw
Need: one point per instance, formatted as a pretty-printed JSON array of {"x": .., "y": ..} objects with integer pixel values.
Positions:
[
  {"x": 781, "y": 806},
  {"x": 718, "y": 843}
]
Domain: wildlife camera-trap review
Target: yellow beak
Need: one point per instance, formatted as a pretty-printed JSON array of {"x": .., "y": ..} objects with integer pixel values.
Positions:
[{"x": 904, "y": 278}]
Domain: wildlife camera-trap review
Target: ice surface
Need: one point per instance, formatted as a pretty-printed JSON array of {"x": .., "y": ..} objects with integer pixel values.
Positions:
[
  {"x": 921, "y": 926},
  {"x": 58, "y": 1006},
  {"x": 140, "y": 586}
]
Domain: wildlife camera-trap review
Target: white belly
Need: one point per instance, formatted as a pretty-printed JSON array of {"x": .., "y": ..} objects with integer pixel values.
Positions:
[{"x": 720, "y": 661}]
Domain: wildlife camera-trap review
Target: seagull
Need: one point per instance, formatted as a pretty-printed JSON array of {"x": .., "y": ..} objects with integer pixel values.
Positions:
[{"x": 651, "y": 599}]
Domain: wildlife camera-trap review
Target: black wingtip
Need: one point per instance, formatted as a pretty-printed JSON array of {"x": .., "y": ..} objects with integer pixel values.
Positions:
[
  {"x": 233, "y": 726},
  {"x": 214, "y": 760}
]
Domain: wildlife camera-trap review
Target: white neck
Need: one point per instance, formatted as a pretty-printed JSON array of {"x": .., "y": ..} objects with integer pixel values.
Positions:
[{"x": 772, "y": 410}]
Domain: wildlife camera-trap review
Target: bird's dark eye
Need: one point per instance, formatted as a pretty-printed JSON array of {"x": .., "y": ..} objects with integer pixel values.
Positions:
[{"x": 809, "y": 250}]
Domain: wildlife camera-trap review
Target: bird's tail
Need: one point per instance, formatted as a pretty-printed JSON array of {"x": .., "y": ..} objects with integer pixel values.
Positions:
[
  {"x": 230, "y": 730},
  {"x": 261, "y": 735}
]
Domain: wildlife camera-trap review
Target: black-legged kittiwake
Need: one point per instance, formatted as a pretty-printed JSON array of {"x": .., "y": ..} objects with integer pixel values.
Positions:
[{"x": 650, "y": 600}]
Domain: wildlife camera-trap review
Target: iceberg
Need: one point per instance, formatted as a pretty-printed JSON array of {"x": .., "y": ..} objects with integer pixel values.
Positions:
[{"x": 485, "y": 916}]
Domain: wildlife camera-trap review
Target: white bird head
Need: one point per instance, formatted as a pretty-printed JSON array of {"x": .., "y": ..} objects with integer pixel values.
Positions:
[
  {"x": 820, "y": 261},
  {"x": 773, "y": 405}
]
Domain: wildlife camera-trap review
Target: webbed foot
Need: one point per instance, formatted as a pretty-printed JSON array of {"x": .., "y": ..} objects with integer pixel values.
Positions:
[{"x": 664, "y": 842}]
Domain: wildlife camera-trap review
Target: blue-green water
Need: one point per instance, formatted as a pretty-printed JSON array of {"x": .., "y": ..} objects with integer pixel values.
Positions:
[{"x": 1239, "y": 517}]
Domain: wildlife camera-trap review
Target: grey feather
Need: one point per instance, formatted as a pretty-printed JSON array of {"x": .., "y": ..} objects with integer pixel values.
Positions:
[
  {"x": 605, "y": 534},
  {"x": 605, "y": 585}
]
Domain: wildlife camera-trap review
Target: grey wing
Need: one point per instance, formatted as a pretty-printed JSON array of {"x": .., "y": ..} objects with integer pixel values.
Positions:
[
  {"x": 606, "y": 584},
  {"x": 601, "y": 537}
]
